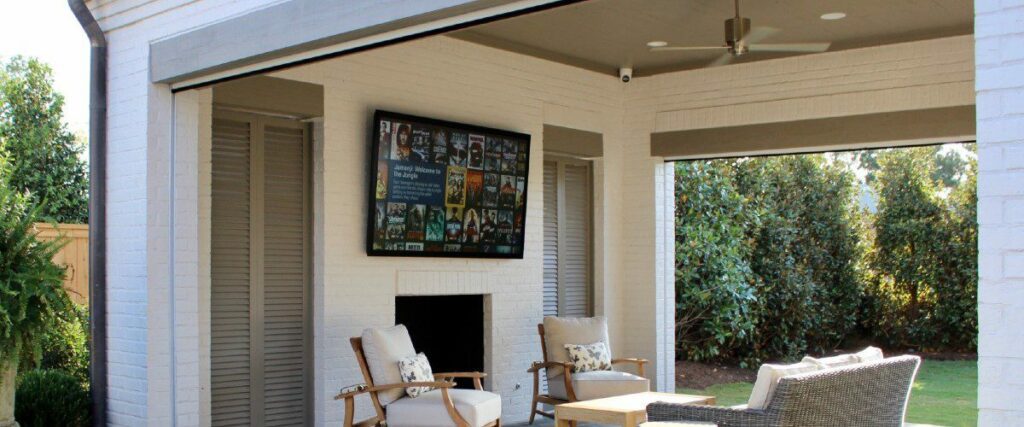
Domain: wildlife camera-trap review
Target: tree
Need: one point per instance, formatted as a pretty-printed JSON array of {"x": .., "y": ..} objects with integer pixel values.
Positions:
[
  {"x": 44, "y": 158},
  {"x": 805, "y": 253},
  {"x": 949, "y": 167},
  {"x": 908, "y": 246},
  {"x": 714, "y": 289}
]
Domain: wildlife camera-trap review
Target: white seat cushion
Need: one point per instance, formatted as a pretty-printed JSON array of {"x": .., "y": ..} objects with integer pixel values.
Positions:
[
  {"x": 476, "y": 406},
  {"x": 383, "y": 348},
  {"x": 768, "y": 379},
  {"x": 599, "y": 384}
]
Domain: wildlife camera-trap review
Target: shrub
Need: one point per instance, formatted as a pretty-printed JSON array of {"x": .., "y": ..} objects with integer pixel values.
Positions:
[
  {"x": 65, "y": 346},
  {"x": 52, "y": 398},
  {"x": 922, "y": 291},
  {"x": 32, "y": 295},
  {"x": 804, "y": 253},
  {"x": 714, "y": 292}
]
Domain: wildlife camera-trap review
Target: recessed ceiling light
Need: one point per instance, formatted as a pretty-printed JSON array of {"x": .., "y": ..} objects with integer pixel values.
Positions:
[
  {"x": 833, "y": 16},
  {"x": 657, "y": 43}
]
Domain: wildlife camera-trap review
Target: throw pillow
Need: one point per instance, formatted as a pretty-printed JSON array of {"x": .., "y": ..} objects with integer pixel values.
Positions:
[
  {"x": 415, "y": 369},
  {"x": 589, "y": 357}
]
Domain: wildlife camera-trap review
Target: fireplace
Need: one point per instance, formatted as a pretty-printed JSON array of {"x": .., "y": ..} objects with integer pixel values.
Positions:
[{"x": 449, "y": 329}]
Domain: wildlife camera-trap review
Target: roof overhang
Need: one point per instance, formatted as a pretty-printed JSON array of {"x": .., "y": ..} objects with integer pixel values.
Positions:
[{"x": 301, "y": 31}]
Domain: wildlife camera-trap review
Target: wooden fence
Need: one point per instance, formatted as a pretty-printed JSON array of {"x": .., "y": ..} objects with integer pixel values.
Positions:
[{"x": 74, "y": 255}]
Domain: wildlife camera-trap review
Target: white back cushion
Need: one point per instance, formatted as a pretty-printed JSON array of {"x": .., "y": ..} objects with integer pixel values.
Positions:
[
  {"x": 383, "y": 349},
  {"x": 768, "y": 379},
  {"x": 559, "y": 331},
  {"x": 870, "y": 354}
]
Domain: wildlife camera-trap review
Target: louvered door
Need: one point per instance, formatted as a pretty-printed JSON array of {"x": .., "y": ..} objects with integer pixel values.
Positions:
[
  {"x": 550, "y": 238},
  {"x": 575, "y": 299},
  {"x": 568, "y": 283},
  {"x": 230, "y": 237},
  {"x": 260, "y": 342}
]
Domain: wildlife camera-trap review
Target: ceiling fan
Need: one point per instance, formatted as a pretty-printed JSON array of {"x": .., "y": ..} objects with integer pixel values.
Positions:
[{"x": 741, "y": 39}]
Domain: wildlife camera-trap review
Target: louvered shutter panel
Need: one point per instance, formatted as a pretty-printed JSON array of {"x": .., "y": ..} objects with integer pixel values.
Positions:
[
  {"x": 550, "y": 239},
  {"x": 229, "y": 252},
  {"x": 284, "y": 283},
  {"x": 575, "y": 256},
  {"x": 259, "y": 274}
]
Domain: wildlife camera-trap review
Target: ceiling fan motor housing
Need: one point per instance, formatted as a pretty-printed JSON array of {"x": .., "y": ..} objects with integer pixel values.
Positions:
[{"x": 736, "y": 29}]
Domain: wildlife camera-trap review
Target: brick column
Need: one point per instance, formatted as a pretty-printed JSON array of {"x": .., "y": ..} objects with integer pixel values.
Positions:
[{"x": 999, "y": 61}]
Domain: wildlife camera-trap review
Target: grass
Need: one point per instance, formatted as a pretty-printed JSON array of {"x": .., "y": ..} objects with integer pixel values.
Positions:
[{"x": 945, "y": 393}]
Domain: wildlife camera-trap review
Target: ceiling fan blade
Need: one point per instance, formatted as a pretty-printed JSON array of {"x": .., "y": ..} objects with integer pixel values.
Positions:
[
  {"x": 684, "y": 48},
  {"x": 722, "y": 60},
  {"x": 759, "y": 33},
  {"x": 789, "y": 47}
]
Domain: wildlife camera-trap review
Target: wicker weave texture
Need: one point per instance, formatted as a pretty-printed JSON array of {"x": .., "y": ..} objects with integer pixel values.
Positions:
[{"x": 872, "y": 394}]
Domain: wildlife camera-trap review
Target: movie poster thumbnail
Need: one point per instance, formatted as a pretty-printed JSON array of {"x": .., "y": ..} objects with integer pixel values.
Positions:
[
  {"x": 457, "y": 149},
  {"x": 492, "y": 154},
  {"x": 491, "y": 185},
  {"x": 476, "y": 152}
]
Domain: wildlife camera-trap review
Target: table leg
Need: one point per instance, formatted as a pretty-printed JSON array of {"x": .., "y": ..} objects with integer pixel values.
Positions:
[{"x": 564, "y": 423}]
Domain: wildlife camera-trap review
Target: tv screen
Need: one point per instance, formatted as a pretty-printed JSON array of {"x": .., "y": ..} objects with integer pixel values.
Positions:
[{"x": 446, "y": 189}]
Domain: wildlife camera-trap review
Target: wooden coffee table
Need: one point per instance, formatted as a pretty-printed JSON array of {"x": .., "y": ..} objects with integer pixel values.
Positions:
[{"x": 628, "y": 410}]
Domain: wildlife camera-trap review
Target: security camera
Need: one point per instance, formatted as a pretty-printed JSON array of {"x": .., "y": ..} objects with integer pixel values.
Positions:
[{"x": 626, "y": 74}]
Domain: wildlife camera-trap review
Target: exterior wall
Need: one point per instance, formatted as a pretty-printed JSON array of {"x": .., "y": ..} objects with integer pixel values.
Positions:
[
  {"x": 454, "y": 80},
  {"x": 139, "y": 132},
  {"x": 1000, "y": 94}
]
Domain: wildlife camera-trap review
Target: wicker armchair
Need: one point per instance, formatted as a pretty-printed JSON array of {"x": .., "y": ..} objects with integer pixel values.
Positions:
[{"x": 869, "y": 394}]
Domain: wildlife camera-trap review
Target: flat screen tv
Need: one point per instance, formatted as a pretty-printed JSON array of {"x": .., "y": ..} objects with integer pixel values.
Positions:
[{"x": 445, "y": 189}]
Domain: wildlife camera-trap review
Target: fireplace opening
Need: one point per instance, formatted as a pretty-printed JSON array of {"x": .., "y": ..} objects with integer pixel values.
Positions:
[{"x": 449, "y": 329}]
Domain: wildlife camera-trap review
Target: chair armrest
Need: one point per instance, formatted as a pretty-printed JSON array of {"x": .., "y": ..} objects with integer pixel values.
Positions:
[
  {"x": 566, "y": 376},
  {"x": 537, "y": 366},
  {"x": 634, "y": 360},
  {"x": 348, "y": 394},
  {"x": 433, "y": 384},
  {"x": 352, "y": 391},
  {"x": 460, "y": 375},
  {"x": 476, "y": 376},
  {"x": 723, "y": 417}
]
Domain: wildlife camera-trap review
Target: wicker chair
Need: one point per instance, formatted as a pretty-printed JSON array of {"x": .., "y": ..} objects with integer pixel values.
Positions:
[{"x": 868, "y": 394}]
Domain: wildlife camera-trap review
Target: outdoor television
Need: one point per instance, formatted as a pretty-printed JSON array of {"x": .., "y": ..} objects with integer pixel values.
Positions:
[{"x": 446, "y": 189}]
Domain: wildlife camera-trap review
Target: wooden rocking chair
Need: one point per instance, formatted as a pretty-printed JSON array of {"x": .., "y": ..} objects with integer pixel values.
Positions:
[
  {"x": 583, "y": 386},
  {"x": 449, "y": 398}
]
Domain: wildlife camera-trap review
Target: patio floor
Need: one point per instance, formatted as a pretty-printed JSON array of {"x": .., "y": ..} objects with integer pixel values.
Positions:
[{"x": 545, "y": 422}]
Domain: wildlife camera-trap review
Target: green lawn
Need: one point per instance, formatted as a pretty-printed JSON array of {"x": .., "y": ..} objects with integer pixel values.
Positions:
[{"x": 945, "y": 393}]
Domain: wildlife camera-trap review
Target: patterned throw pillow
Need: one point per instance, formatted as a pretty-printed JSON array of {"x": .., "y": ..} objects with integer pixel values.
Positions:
[
  {"x": 414, "y": 369},
  {"x": 589, "y": 357}
]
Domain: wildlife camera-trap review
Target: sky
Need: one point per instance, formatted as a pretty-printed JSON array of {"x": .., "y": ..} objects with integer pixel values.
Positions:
[{"x": 46, "y": 29}]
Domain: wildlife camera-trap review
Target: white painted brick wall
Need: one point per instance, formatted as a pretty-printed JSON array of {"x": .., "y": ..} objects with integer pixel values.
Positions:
[
  {"x": 138, "y": 135},
  {"x": 454, "y": 80},
  {"x": 1000, "y": 86}
]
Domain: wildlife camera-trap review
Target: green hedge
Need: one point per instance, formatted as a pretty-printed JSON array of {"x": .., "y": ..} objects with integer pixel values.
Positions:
[
  {"x": 775, "y": 258},
  {"x": 52, "y": 398}
]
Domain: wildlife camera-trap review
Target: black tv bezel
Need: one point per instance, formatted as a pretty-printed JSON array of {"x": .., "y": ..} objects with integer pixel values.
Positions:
[{"x": 378, "y": 115}]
